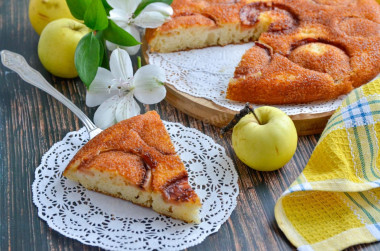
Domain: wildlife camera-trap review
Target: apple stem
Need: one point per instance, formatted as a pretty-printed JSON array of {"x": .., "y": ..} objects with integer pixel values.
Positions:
[
  {"x": 246, "y": 110},
  {"x": 254, "y": 114}
]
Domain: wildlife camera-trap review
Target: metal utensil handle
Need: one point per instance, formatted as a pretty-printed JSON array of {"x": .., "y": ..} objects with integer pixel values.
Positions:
[{"x": 18, "y": 64}]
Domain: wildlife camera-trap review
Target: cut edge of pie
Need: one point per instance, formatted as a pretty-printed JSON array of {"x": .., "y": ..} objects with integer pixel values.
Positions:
[
  {"x": 209, "y": 25},
  {"x": 135, "y": 160}
]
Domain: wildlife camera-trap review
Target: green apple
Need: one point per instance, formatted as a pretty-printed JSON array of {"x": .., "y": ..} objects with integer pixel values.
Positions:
[
  {"x": 57, "y": 44},
  {"x": 266, "y": 140},
  {"x": 42, "y": 12}
]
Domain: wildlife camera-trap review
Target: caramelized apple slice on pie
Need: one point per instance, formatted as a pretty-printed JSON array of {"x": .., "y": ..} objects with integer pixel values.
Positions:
[{"x": 135, "y": 160}]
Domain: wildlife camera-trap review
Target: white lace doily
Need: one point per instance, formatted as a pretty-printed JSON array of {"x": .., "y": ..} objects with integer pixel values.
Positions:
[
  {"x": 205, "y": 73},
  {"x": 115, "y": 224}
]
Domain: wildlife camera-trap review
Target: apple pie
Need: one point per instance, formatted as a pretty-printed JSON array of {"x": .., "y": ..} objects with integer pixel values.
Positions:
[
  {"x": 135, "y": 160},
  {"x": 305, "y": 50}
]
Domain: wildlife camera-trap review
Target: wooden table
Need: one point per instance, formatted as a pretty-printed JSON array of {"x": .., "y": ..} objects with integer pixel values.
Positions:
[{"x": 32, "y": 121}]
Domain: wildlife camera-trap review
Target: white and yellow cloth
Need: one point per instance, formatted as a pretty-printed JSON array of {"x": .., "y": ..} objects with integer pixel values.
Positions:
[{"x": 335, "y": 202}]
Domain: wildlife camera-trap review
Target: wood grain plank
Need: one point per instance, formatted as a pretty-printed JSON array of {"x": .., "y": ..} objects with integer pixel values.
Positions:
[{"x": 31, "y": 122}]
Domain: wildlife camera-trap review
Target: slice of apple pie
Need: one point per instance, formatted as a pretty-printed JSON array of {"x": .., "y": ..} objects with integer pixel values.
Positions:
[{"x": 135, "y": 160}]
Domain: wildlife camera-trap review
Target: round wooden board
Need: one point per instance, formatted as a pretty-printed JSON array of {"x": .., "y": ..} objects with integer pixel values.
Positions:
[{"x": 209, "y": 112}]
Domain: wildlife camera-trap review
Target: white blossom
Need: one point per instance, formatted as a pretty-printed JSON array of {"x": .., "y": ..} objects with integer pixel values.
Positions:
[
  {"x": 115, "y": 91},
  {"x": 152, "y": 16}
]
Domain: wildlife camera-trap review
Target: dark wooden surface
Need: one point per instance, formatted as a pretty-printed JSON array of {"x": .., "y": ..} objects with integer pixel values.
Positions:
[{"x": 32, "y": 121}]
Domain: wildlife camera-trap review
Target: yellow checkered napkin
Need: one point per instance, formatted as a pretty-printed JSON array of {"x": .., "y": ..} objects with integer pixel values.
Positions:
[{"x": 335, "y": 202}]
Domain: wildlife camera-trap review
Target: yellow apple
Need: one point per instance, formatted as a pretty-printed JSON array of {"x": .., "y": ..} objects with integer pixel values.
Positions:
[
  {"x": 42, "y": 12},
  {"x": 57, "y": 44},
  {"x": 265, "y": 143}
]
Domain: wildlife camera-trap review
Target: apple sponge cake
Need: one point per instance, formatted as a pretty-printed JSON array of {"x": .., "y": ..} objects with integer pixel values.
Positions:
[
  {"x": 306, "y": 50},
  {"x": 135, "y": 160}
]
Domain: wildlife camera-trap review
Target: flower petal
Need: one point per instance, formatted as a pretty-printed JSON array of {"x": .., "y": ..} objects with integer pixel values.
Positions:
[
  {"x": 121, "y": 65},
  {"x": 151, "y": 96},
  {"x": 149, "y": 71},
  {"x": 150, "y": 19},
  {"x": 120, "y": 17},
  {"x": 101, "y": 88},
  {"x": 163, "y": 8},
  {"x": 148, "y": 83},
  {"x": 105, "y": 115},
  {"x": 102, "y": 81},
  {"x": 126, "y": 5},
  {"x": 111, "y": 46},
  {"x": 132, "y": 50},
  {"x": 95, "y": 99},
  {"x": 154, "y": 15},
  {"x": 127, "y": 107}
]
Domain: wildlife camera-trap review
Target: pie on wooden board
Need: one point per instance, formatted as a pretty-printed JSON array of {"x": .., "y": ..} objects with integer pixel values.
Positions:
[{"x": 305, "y": 50}]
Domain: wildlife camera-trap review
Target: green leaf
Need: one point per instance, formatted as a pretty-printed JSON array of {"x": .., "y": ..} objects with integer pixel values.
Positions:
[
  {"x": 145, "y": 3},
  {"x": 87, "y": 58},
  {"x": 107, "y": 7},
  {"x": 104, "y": 58},
  {"x": 78, "y": 7},
  {"x": 101, "y": 52},
  {"x": 105, "y": 62},
  {"x": 99, "y": 36},
  {"x": 117, "y": 35},
  {"x": 96, "y": 17}
]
